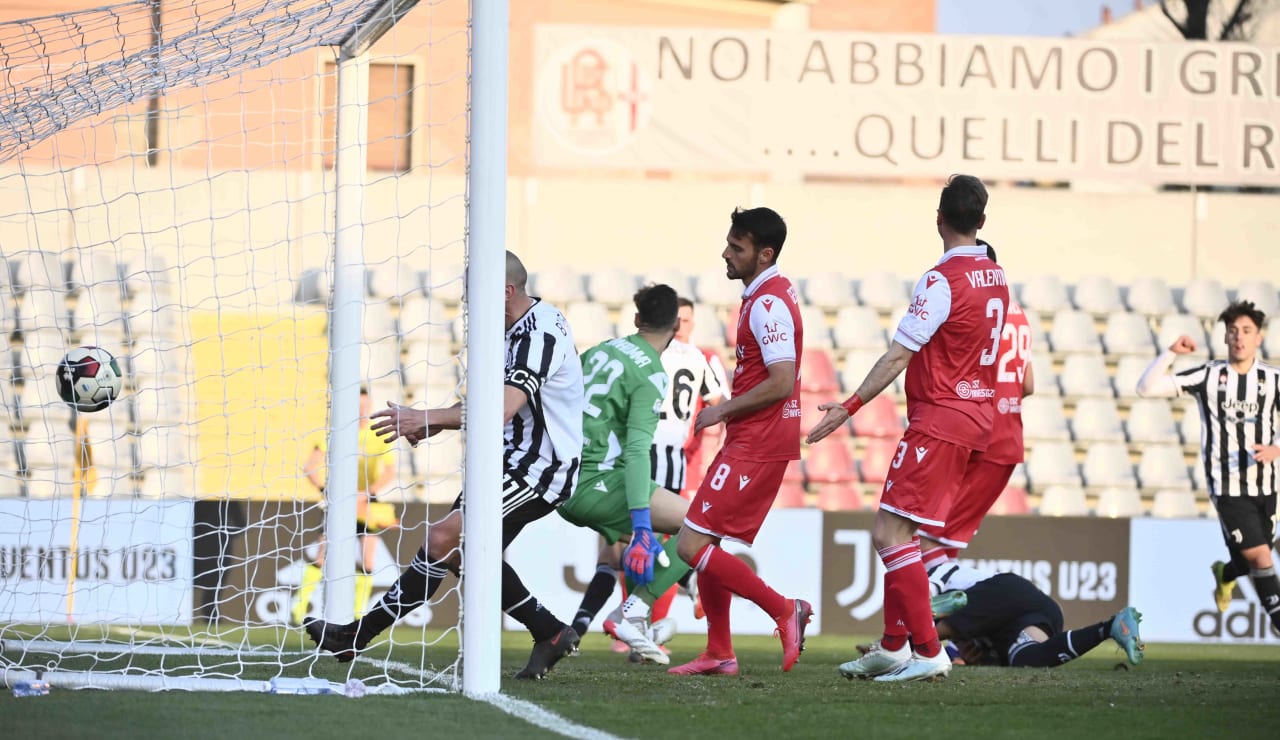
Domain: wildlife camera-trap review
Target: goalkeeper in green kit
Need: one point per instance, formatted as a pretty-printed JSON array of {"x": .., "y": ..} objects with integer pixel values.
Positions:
[{"x": 616, "y": 495}]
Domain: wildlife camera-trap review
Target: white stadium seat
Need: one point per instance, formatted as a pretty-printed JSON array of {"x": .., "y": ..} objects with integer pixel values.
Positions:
[
  {"x": 1189, "y": 427},
  {"x": 858, "y": 327},
  {"x": 155, "y": 314},
  {"x": 1085, "y": 376},
  {"x": 613, "y": 286},
  {"x": 708, "y": 329},
  {"x": 380, "y": 360},
  {"x": 379, "y": 323},
  {"x": 669, "y": 276},
  {"x": 1064, "y": 501},
  {"x": 816, "y": 333},
  {"x": 559, "y": 286},
  {"x": 395, "y": 279},
  {"x": 1151, "y": 421},
  {"x": 1204, "y": 298},
  {"x": 34, "y": 268},
  {"x": 716, "y": 290},
  {"x": 858, "y": 363},
  {"x": 1151, "y": 296},
  {"x": 1052, "y": 463},
  {"x": 830, "y": 290},
  {"x": 1073, "y": 331},
  {"x": 1107, "y": 464},
  {"x": 884, "y": 291},
  {"x": 1045, "y": 294},
  {"x": 1174, "y": 504},
  {"x": 1128, "y": 334},
  {"x": 1163, "y": 466},
  {"x": 1175, "y": 325},
  {"x": 423, "y": 320},
  {"x": 1119, "y": 503},
  {"x": 589, "y": 323},
  {"x": 1261, "y": 292},
  {"x": 1045, "y": 377},
  {"x": 1097, "y": 420},
  {"x": 445, "y": 284},
  {"x": 1097, "y": 294},
  {"x": 1044, "y": 419},
  {"x": 44, "y": 309},
  {"x": 1128, "y": 370}
]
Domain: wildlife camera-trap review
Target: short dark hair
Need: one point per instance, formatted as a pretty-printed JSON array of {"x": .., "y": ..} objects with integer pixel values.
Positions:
[
  {"x": 963, "y": 203},
  {"x": 1236, "y": 309},
  {"x": 683, "y": 302},
  {"x": 658, "y": 306},
  {"x": 991, "y": 251},
  {"x": 765, "y": 227}
]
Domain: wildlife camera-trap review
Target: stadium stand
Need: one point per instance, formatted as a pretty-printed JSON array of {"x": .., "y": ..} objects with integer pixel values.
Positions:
[{"x": 1096, "y": 294}]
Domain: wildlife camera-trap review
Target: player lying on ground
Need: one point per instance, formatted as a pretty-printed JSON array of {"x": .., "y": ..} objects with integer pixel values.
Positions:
[
  {"x": 616, "y": 495},
  {"x": 1005, "y": 620},
  {"x": 542, "y": 442}
]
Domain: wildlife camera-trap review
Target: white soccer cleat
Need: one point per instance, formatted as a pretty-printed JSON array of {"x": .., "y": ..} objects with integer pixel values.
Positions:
[
  {"x": 634, "y": 632},
  {"x": 875, "y": 662},
  {"x": 920, "y": 668},
  {"x": 662, "y": 631}
]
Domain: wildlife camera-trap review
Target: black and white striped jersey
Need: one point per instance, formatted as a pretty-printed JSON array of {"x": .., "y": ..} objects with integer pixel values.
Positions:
[
  {"x": 692, "y": 377},
  {"x": 1237, "y": 411},
  {"x": 543, "y": 441}
]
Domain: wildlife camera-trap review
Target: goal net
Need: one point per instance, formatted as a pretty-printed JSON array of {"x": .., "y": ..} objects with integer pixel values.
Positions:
[{"x": 173, "y": 179}]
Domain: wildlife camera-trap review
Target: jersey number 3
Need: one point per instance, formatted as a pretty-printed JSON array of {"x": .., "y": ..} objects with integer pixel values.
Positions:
[{"x": 995, "y": 307}]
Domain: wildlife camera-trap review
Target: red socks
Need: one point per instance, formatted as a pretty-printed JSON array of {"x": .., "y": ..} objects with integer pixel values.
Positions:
[
  {"x": 720, "y": 576},
  {"x": 662, "y": 605},
  {"x": 933, "y": 557},
  {"x": 906, "y": 600}
]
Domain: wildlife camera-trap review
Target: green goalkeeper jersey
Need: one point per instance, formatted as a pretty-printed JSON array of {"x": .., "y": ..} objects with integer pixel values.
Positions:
[{"x": 625, "y": 385}]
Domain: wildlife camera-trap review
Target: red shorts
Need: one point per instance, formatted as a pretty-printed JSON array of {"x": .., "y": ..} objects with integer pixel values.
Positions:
[
  {"x": 924, "y": 478},
  {"x": 983, "y": 483},
  {"x": 735, "y": 496}
]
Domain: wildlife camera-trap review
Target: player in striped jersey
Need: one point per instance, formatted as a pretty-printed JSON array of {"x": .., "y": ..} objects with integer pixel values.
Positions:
[
  {"x": 542, "y": 448},
  {"x": 693, "y": 378},
  {"x": 616, "y": 495},
  {"x": 1238, "y": 400}
]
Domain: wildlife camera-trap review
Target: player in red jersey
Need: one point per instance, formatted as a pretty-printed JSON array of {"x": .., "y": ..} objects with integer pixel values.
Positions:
[
  {"x": 948, "y": 343},
  {"x": 762, "y": 434},
  {"x": 990, "y": 471}
]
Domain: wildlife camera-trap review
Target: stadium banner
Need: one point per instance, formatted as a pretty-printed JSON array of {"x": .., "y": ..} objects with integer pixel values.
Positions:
[
  {"x": 905, "y": 105},
  {"x": 1172, "y": 586},
  {"x": 116, "y": 561},
  {"x": 1083, "y": 563}
]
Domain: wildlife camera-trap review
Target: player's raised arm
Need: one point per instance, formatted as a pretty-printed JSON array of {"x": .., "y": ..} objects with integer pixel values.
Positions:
[{"x": 1157, "y": 381}]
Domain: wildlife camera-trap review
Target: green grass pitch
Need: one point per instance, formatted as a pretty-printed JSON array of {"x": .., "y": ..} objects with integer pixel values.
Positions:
[{"x": 1181, "y": 691}]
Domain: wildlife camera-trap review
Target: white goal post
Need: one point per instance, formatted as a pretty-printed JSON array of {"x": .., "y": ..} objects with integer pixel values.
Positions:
[{"x": 273, "y": 213}]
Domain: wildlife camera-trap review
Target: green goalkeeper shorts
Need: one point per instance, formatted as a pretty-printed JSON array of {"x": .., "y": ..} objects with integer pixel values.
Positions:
[{"x": 600, "y": 502}]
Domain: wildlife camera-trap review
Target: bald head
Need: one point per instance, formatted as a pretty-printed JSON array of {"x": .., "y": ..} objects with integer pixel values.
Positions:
[{"x": 517, "y": 276}]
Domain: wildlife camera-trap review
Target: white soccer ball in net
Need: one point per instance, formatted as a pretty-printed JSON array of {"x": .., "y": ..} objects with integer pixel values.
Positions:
[{"x": 89, "y": 378}]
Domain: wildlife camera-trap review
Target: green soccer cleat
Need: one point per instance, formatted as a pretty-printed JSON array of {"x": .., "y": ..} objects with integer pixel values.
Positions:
[
  {"x": 1222, "y": 590},
  {"x": 1124, "y": 630},
  {"x": 947, "y": 603}
]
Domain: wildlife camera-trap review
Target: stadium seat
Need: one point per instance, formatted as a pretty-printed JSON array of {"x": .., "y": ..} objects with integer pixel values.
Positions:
[
  {"x": 164, "y": 447},
  {"x": 1044, "y": 294},
  {"x": 39, "y": 356},
  {"x": 818, "y": 372},
  {"x": 668, "y": 276},
  {"x": 446, "y": 284},
  {"x": 158, "y": 361},
  {"x": 1151, "y": 296},
  {"x": 856, "y": 365},
  {"x": 1097, "y": 294},
  {"x": 44, "y": 309},
  {"x": 858, "y": 327},
  {"x": 89, "y": 268},
  {"x": 1163, "y": 466},
  {"x": 810, "y": 415},
  {"x": 1019, "y": 477},
  {"x": 1175, "y": 325},
  {"x": 1073, "y": 331},
  {"x": 559, "y": 286},
  {"x": 1151, "y": 421},
  {"x": 708, "y": 330},
  {"x": 830, "y": 290},
  {"x": 1174, "y": 504},
  {"x": 1189, "y": 427},
  {"x": 1052, "y": 463},
  {"x": 162, "y": 405},
  {"x": 10, "y": 482},
  {"x": 790, "y": 495},
  {"x": 1199, "y": 479},
  {"x": 716, "y": 290},
  {"x": 1128, "y": 334},
  {"x": 429, "y": 363},
  {"x": 1107, "y": 464},
  {"x": 1128, "y": 370},
  {"x": 380, "y": 360},
  {"x": 1044, "y": 419},
  {"x": 884, "y": 291},
  {"x": 424, "y": 320},
  {"x": 1271, "y": 344},
  {"x": 157, "y": 314},
  {"x": 1063, "y": 501},
  {"x": 840, "y": 497},
  {"x": 879, "y": 418},
  {"x": 34, "y": 268},
  {"x": 1085, "y": 376},
  {"x": 877, "y": 456},
  {"x": 379, "y": 323},
  {"x": 1013, "y": 501},
  {"x": 1047, "y": 382},
  {"x": 1039, "y": 337},
  {"x": 395, "y": 279},
  {"x": 1261, "y": 292},
  {"x": 1097, "y": 420},
  {"x": 440, "y": 458},
  {"x": 1119, "y": 503},
  {"x": 829, "y": 462},
  {"x": 589, "y": 323},
  {"x": 816, "y": 332},
  {"x": 1203, "y": 298},
  {"x": 613, "y": 286},
  {"x": 732, "y": 324}
]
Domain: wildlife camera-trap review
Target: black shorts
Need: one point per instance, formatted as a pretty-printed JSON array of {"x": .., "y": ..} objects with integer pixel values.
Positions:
[
  {"x": 1000, "y": 608},
  {"x": 1247, "y": 521},
  {"x": 522, "y": 504}
]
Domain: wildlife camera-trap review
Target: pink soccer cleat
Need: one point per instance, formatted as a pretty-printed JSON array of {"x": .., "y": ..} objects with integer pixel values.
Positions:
[
  {"x": 705, "y": 665},
  {"x": 791, "y": 631}
]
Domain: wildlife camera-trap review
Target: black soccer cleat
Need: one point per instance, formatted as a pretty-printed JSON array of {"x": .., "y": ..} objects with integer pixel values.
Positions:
[
  {"x": 339, "y": 639},
  {"x": 547, "y": 653}
]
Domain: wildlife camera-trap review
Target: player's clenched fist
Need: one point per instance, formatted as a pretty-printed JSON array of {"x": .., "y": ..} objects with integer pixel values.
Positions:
[
  {"x": 1183, "y": 345},
  {"x": 836, "y": 415}
]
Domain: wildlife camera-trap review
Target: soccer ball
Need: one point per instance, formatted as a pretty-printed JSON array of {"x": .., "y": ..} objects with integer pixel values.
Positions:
[{"x": 89, "y": 378}]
